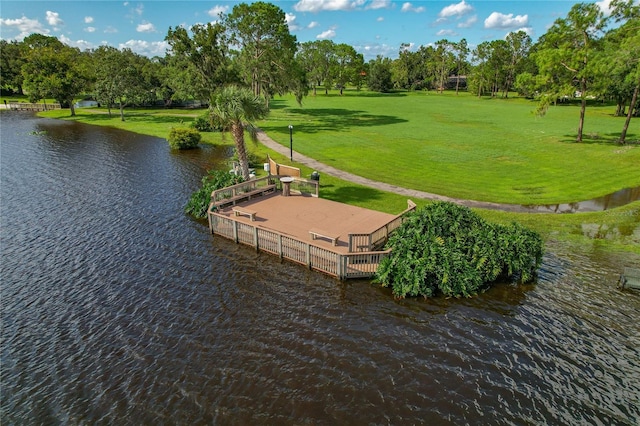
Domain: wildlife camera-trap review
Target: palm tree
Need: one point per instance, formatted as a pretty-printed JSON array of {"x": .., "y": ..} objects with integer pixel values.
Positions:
[{"x": 234, "y": 108}]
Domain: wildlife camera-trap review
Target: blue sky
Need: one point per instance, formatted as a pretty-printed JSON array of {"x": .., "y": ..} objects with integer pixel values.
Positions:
[{"x": 372, "y": 27}]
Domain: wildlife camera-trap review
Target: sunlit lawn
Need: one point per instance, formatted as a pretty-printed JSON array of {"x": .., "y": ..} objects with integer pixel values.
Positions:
[
  {"x": 461, "y": 146},
  {"x": 494, "y": 150}
]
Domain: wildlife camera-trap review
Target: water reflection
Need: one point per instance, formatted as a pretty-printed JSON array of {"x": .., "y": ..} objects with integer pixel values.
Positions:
[{"x": 617, "y": 199}]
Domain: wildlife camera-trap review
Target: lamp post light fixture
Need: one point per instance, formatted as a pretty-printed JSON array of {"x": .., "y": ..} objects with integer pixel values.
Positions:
[{"x": 291, "y": 142}]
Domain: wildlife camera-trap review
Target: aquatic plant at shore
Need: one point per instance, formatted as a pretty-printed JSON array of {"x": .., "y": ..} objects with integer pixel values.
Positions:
[
  {"x": 199, "y": 201},
  {"x": 446, "y": 248}
]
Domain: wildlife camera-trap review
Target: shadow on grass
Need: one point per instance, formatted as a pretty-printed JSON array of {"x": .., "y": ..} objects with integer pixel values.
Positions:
[
  {"x": 598, "y": 139},
  {"x": 137, "y": 117},
  {"x": 336, "y": 119},
  {"x": 350, "y": 194}
]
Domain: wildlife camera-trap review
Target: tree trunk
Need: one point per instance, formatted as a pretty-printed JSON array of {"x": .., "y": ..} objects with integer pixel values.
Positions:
[
  {"x": 121, "y": 111},
  {"x": 634, "y": 99},
  {"x": 72, "y": 108},
  {"x": 583, "y": 108},
  {"x": 237, "y": 130}
]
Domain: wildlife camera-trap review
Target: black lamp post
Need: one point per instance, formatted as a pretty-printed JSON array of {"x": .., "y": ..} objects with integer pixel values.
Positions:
[{"x": 291, "y": 142}]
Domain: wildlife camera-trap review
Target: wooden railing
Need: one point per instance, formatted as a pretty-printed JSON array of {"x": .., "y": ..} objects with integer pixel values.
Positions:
[
  {"x": 305, "y": 186},
  {"x": 376, "y": 239},
  {"x": 243, "y": 191},
  {"x": 343, "y": 266},
  {"x": 24, "y": 106}
]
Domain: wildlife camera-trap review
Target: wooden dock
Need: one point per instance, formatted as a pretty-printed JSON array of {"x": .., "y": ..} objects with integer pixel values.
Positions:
[
  {"x": 24, "y": 106},
  {"x": 281, "y": 226}
]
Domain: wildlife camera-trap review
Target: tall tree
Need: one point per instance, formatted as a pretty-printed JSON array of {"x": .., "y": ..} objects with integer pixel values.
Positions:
[
  {"x": 380, "y": 74},
  {"x": 316, "y": 58},
  {"x": 518, "y": 44},
  {"x": 120, "y": 78},
  {"x": 267, "y": 49},
  {"x": 235, "y": 109},
  {"x": 347, "y": 65},
  {"x": 443, "y": 62},
  {"x": 53, "y": 69},
  {"x": 202, "y": 58},
  {"x": 11, "y": 61},
  {"x": 626, "y": 59},
  {"x": 481, "y": 73},
  {"x": 566, "y": 49},
  {"x": 461, "y": 51}
]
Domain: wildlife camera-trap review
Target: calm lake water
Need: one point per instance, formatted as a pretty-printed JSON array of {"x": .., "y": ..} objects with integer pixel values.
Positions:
[{"x": 117, "y": 308}]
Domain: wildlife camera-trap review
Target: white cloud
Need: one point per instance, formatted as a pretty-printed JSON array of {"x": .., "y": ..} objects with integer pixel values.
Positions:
[
  {"x": 469, "y": 22},
  {"x": 605, "y": 6},
  {"x": 290, "y": 19},
  {"x": 139, "y": 9},
  {"x": 111, "y": 30},
  {"x": 80, "y": 44},
  {"x": 90, "y": 29},
  {"x": 457, "y": 9},
  {"x": 371, "y": 51},
  {"x": 215, "y": 11},
  {"x": 155, "y": 48},
  {"x": 380, "y": 19},
  {"x": 146, "y": 27},
  {"x": 408, "y": 7},
  {"x": 499, "y": 20},
  {"x": 88, "y": 19},
  {"x": 24, "y": 26},
  {"x": 446, "y": 33},
  {"x": 330, "y": 33},
  {"x": 327, "y": 5},
  {"x": 313, "y": 24},
  {"x": 379, "y": 4},
  {"x": 53, "y": 19}
]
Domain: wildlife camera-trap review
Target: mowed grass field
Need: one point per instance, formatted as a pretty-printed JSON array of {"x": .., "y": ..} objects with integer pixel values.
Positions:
[
  {"x": 458, "y": 146},
  {"x": 461, "y": 146}
]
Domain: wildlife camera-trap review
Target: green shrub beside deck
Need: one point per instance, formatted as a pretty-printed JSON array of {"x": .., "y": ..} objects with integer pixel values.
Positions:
[
  {"x": 199, "y": 201},
  {"x": 446, "y": 248}
]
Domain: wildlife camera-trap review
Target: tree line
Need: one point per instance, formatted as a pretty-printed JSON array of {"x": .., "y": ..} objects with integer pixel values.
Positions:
[{"x": 584, "y": 55}]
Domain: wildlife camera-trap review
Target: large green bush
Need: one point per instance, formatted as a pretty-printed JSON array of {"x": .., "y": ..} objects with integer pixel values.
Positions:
[
  {"x": 184, "y": 138},
  {"x": 446, "y": 248},
  {"x": 215, "y": 179}
]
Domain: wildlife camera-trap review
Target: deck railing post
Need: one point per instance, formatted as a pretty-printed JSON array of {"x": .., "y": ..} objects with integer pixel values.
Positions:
[
  {"x": 235, "y": 231},
  {"x": 308, "y": 255},
  {"x": 255, "y": 237},
  {"x": 280, "y": 246}
]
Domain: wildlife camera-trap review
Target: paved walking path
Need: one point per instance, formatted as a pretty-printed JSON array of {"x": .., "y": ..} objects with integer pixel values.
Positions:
[{"x": 411, "y": 193}]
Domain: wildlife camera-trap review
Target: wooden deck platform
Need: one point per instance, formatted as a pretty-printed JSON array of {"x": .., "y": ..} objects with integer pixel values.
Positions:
[{"x": 282, "y": 226}]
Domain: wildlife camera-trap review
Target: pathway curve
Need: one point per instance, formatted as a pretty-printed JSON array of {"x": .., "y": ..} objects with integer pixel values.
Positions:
[{"x": 411, "y": 193}]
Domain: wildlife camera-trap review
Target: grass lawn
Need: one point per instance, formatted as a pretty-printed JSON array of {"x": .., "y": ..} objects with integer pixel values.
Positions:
[
  {"x": 482, "y": 149},
  {"x": 369, "y": 142}
]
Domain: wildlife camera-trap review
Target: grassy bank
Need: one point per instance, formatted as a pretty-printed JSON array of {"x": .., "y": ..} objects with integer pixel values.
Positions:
[
  {"x": 583, "y": 177},
  {"x": 483, "y": 149}
]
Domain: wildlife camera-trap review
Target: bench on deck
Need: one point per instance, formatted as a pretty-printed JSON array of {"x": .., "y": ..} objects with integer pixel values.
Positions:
[
  {"x": 246, "y": 212},
  {"x": 315, "y": 233}
]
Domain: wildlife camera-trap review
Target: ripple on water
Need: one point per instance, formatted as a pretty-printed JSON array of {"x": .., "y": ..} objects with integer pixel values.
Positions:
[{"x": 116, "y": 308}]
